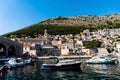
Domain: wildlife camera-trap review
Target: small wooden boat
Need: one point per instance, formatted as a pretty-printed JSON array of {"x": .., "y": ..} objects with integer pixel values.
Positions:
[{"x": 62, "y": 64}]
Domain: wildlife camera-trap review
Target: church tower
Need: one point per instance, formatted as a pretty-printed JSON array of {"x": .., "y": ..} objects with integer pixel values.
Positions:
[{"x": 45, "y": 33}]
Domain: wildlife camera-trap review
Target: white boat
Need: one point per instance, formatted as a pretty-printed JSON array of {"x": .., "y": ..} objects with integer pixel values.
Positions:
[
  {"x": 102, "y": 59},
  {"x": 3, "y": 59},
  {"x": 1, "y": 67},
  {"x": 6, "y": 66},
  {"x": 15, "y": 62},
  {"x": 61, "y": 64},
  {"x": 27, "y": 60},
  {"x": 117, "y": 55}
]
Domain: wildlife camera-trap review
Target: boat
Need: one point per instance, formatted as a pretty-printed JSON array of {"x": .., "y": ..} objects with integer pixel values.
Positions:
[
  {"x": 3, "y": 59},
  {"x": 33, "y": 59},
  {"x": 61, "y": 64},
  {"x": 102, "y": 59},
  {"x": 6, "y": 66},
  {"x": 1, "y": 67},
  {"x": 27, "y": 60},
  {"x": 15, "y": 62},
  {"x": 117, "y": 55}
]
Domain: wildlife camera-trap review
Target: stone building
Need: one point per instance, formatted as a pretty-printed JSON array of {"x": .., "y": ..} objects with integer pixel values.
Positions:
[{"x": 10, "y": 48}]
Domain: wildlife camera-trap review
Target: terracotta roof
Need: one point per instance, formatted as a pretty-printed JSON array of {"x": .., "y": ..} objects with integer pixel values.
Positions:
[
  {"x": 61, "y": 45},
  {"x": 26, "y": 45},
  {"x": 34, "y": 39},
  {"x": 55, "y": 42}
]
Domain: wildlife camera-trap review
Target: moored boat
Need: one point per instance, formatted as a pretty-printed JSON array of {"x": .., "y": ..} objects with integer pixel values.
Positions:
[
  {"x": 3, "y": 59},
  {"x": 1, "y": 67},
  {"x": 27, "y": 60},
  {"x": 6, "y": 66},
  {"x": 61, "y": 64},
  {"x": 102, "y": 59},
  {"x": 15, "y": 62}
]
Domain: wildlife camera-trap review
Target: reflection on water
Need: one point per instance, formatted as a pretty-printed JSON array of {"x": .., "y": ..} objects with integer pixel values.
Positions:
[
  {"x": 90, "y": 72},
  {"x": 102, "y": 68},
  {"x": 11, "y": 74}
]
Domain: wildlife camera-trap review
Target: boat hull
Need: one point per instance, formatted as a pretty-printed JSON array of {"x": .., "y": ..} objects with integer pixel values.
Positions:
[{"x": 75, "y": 66}]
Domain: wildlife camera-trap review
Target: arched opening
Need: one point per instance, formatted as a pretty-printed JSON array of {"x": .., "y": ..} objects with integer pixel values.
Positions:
[
  {"x": 2, "y": 50},
  {"x": 11, "y": 51}
]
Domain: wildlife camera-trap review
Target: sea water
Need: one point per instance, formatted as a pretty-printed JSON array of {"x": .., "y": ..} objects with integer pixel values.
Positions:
[{"x": 90, "y": 72}]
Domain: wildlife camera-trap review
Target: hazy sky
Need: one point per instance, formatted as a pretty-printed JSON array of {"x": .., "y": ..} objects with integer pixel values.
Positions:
[{"x": 17, "y": 14}]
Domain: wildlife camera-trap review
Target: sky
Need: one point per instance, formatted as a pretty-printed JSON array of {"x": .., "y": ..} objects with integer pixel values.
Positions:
[{"x": 17, "y": 14}]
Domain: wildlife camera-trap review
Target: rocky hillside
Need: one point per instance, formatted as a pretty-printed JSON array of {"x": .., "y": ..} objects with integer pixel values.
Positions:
[
  {"x": 67, "y": 25},
  {"x": 84, "y": 20}
]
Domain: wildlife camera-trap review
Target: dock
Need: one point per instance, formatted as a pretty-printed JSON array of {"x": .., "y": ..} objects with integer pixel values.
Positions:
[{"x": 68, "y": 57}]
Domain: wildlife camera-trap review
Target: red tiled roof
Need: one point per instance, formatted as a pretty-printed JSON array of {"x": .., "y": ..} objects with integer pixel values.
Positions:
[
  {"x": 26, "y": 45},
  {"x": 34, "y": 39}
]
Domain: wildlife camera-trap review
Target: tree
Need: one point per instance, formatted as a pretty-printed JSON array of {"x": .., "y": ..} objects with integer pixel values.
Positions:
[{"x": 93, "y": 44}]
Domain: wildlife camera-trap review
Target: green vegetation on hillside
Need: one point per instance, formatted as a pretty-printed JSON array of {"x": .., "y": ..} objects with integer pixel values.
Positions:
[
  {"x": 34, "y": 30},
  {"x": 93, "y": 44},
  {"x": 70, "y": 25}
]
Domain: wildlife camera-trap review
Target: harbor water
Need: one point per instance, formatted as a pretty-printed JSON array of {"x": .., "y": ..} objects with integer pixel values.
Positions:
[{"x": 90, "y": 72}]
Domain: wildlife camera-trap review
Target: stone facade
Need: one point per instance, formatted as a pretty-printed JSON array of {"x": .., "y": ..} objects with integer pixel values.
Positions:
[{"x": 10, "y": 48}]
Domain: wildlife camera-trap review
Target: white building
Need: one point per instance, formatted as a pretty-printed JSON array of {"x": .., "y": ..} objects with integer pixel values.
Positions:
[
  {"x": 118, "y": 47},
  {"x": 63, "y": 49},
  {"x": 102, "y": 51},
  {"x": 28, "y": 48},
  {"x": 86, "y": 51}
]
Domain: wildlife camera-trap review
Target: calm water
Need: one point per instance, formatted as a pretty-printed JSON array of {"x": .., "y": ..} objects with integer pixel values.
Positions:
[{"x": 90, "y": 72}]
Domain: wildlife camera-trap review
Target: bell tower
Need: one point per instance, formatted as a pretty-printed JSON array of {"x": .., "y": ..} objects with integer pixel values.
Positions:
[{"x": 45, "y": 33}]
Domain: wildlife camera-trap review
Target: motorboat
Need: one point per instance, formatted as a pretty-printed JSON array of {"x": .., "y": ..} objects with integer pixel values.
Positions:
[
  {"x": 3, "y": 59},
  {"x": 1, "y": 67},
  {"x": 117, "y": 55},
  {"x": 27, "y": 60},
  {"x": 6, "y": 66},
  {"x": 15, "y": 62},
  {"x": 61, "y": 64},
  {"x": 102, "y": 59}
]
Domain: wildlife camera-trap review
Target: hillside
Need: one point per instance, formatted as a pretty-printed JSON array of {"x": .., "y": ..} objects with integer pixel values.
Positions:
[
  {"x": 83, "y": 20},
  {"x": 69, "y": 25}
]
